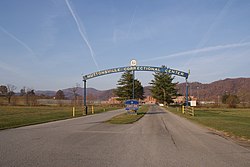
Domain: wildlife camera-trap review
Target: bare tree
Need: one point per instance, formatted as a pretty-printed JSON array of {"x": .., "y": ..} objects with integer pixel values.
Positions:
[
  {"x": 74, "y": 90},
  {"x": 60, "y": 95},
  {"x": 91, "y": 98},
  {"x": 23, "y": 91},
  {"x": 3, "y": 92},
  {"x": 10, "y": 92}
]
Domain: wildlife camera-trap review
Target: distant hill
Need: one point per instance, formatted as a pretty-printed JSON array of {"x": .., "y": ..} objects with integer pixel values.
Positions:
[
  {"x": 91, "y": 93},
  {"x": 45, "y": 92},
  {"x": 212, "y": 91},
  {"x": 215, "y": 90}
]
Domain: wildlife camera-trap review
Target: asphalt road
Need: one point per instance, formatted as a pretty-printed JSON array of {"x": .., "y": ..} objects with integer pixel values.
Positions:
[{"x": 159, "y": 139}]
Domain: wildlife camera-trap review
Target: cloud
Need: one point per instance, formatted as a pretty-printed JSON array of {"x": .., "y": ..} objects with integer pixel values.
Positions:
[
  {"x": 81, "y": 31},
  {"x": 7, "y": 67},
  {"x": 17, "y": 40},
  {"x": 201, "y": 50},
  {"x": 7, "y": 70}
]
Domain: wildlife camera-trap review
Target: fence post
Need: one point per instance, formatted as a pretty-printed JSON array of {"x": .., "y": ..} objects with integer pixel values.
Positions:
[
  {"x": 73, "y": 112},
  {"x": 92, "y": 109}
]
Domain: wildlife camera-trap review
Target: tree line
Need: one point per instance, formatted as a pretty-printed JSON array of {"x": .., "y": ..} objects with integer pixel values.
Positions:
[{"x": 27, "y": 96}]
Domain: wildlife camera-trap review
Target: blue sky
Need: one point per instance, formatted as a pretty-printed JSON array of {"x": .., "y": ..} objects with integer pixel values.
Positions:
[{"x": 49, "y": 44}]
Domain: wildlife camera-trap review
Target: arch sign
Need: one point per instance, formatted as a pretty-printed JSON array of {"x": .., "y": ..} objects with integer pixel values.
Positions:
[{"x": 134, "y": 68}]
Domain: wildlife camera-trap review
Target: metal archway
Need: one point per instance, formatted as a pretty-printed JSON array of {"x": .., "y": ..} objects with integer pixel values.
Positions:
[{"x": 132, "y": 68}]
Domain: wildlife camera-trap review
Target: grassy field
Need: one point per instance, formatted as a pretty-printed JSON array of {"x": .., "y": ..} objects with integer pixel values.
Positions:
[
  {"x": 233, "y": 122},
  {"x": 17, "y": 116},
  {"x": 129, "y": 118}
]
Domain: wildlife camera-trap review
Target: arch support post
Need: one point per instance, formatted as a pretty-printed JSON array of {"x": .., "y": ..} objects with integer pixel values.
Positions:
[{"x": 85, "y": 96}]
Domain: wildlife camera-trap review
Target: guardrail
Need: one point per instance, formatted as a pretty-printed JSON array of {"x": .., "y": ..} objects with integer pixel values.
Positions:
[{"x": 189, "y": 110}]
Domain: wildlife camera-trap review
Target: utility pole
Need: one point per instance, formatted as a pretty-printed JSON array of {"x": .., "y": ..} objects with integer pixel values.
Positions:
[
  {"x": 186, "y": 93},
  {"x": 187, "y": 89},
  {"x": 133, "y": 84},
  {"x": 198, "y": 98}
]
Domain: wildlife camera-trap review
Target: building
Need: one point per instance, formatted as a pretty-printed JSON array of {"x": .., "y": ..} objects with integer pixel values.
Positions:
[
  {"x": 182, "y": 99},
  {"x": 149, "y": 100},
  {"x": 113, "y": 100}
]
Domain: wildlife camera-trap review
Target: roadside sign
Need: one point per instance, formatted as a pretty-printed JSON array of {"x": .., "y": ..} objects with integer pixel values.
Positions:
[
  {"x": 192, "y": 103},
  {"x": 132, "y": 105}
]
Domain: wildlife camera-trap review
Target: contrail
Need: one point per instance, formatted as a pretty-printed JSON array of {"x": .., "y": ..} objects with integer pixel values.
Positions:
[
  {"x": 131, "y": 23},
  {"x": 74, "y": 15},
  {"x": 195, "y": 51},
  {"x": 17, "y": 40},
  {"x": 214, "y": 24},
  {"x": 211, "y": 28}
]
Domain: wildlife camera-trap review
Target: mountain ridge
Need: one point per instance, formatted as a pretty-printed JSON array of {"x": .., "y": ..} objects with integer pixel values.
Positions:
[{"x": 207, "y": 91}]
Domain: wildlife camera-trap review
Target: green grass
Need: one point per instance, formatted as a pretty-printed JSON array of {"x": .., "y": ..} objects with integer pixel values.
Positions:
[
  {"x": 17, "y": 116},
  {"x": 104, "y": 108},
  {"x": 234, "y": 122},
  {"x": 129, "y": 118}
]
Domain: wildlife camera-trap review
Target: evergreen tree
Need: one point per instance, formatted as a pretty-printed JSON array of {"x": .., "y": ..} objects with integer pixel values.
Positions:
[
  {"x": 224, "y": 98},
  {"x": 3, "y": 90},
  {"x": 163, "y": 89},
  {"x": 139, "y": 90},
  {"x": 125, "y": 87}
]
